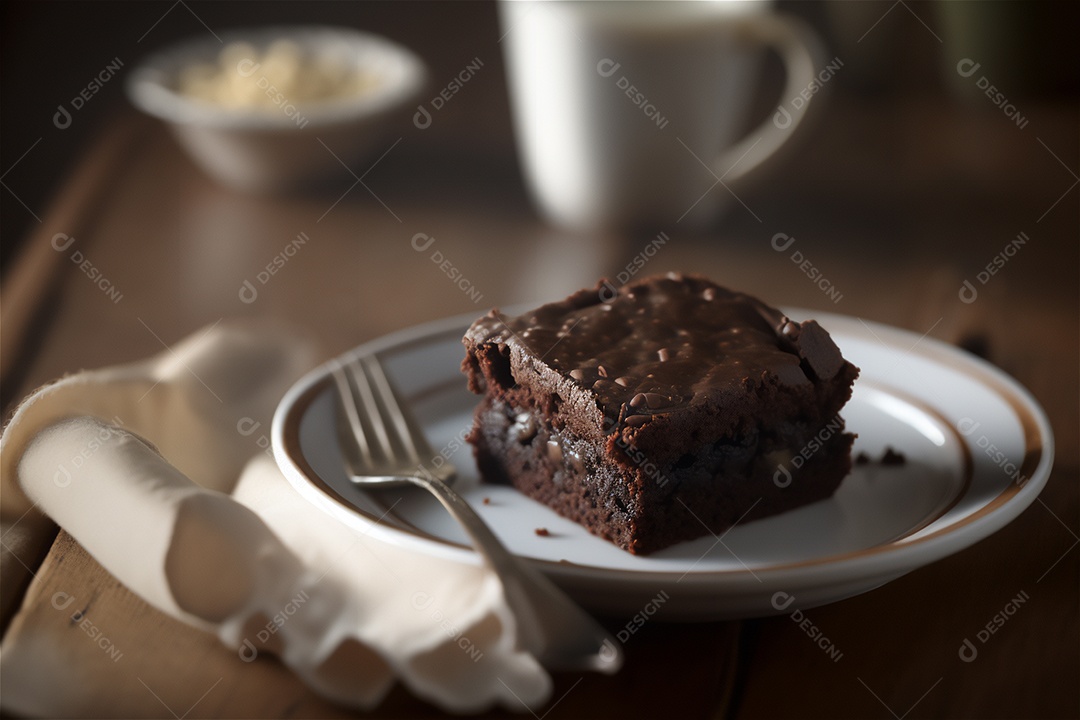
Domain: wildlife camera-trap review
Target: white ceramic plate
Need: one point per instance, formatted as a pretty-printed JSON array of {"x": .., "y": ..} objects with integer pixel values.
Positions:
[{"x": 978, "y": 448}]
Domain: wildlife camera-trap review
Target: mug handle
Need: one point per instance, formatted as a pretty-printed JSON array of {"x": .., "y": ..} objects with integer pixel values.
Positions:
[{"x": 801, "y": 50}]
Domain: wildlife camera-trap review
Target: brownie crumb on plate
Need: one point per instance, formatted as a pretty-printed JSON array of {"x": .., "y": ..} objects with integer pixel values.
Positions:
[{"x": 892, "y": 457}]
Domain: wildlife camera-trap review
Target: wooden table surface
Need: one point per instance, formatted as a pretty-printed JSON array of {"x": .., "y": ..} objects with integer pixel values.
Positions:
[{"x": 897, "y": 200}]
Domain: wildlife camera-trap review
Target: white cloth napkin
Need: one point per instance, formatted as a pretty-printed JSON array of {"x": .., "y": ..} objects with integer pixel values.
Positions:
[{"x": 140, "y": 463}]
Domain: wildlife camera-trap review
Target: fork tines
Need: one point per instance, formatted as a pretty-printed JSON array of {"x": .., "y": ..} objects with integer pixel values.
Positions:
[{"x": 386, "y": 438}]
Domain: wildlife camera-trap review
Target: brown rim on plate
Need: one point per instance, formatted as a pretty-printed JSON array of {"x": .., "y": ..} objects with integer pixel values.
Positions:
[
  {"x": 1033, "y": 453},
  {"x": 967, "y": 462}
]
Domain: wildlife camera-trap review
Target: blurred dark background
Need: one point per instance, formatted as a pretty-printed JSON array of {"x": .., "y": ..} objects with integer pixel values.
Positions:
[
  {"x": 893, "y": 52},
  {"x": 908, "y": 180}
]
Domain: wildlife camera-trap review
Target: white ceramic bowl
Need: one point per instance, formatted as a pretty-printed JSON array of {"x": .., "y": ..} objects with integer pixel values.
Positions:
[{"x": 268, "y": 151}]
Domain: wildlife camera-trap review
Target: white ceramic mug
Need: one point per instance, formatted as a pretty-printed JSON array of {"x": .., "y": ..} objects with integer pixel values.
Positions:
[{"x": 626, "y": 112}]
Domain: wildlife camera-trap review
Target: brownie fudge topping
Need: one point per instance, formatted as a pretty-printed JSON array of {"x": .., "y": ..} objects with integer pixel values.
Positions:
[
  {"x": 678, "y": 341},
  {"x": 661, "y": 412}
]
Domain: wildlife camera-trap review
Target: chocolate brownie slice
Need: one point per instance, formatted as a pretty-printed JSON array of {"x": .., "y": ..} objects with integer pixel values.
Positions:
[{"x": 662, "y": 412}]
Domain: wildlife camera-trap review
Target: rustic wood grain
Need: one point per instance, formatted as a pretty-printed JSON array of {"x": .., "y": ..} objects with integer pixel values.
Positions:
[
  {"x": 123, "y": 658},
  {"x": 25, "y": 305},
  {"x": 34, "y": 274},
  {"x": 897, "y": 226}
]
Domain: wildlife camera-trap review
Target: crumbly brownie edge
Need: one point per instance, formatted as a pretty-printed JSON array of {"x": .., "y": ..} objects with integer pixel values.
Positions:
[{"x": 621, "y": 501}]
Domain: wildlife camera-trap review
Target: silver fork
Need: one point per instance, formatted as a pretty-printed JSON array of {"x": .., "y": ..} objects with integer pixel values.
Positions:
[{"x": 384, "y": 447}]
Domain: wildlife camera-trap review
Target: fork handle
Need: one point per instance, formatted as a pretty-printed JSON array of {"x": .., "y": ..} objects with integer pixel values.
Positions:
[
  {"x": 554, "y": 629},
  {"x": 540, "y": 606},
  {"x": 484, "y": 541}
]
